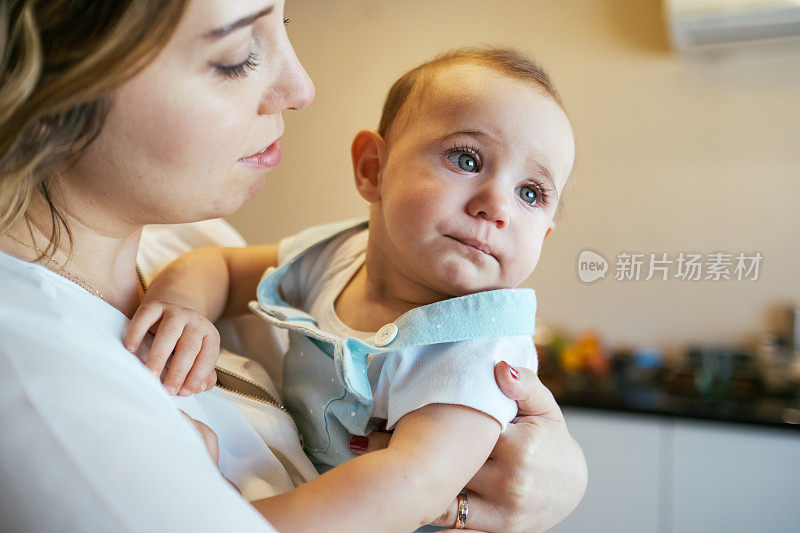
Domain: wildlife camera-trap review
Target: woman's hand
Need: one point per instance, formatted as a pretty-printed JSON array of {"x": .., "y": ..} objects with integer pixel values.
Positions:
[
  {"x": 535, "y": 476},
  {"x": 209, "y": 437},
  {"x": 188, "y": 339},
  {"x": 212, "y": 444}
]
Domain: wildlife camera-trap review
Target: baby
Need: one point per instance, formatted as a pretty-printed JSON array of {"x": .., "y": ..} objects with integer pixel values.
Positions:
[{"x": 397, "y": 322}]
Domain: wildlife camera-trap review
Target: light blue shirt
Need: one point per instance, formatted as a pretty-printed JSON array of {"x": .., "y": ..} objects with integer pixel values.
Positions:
[{"x": 438, "y": 353}]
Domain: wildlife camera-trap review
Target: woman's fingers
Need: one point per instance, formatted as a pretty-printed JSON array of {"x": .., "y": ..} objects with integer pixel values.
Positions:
[
  {"x": 487, "y": 479},
  {"x": 198, "y": 376},
  {"x": 208, "y": 436},
  {"x": 480, "y": 516},
  {"x": 377, "y": 440},
  {"x": 523, "y": 386}
]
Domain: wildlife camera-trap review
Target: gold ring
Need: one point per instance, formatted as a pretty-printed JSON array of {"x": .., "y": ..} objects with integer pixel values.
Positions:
[{"x": 462, "y": 512}]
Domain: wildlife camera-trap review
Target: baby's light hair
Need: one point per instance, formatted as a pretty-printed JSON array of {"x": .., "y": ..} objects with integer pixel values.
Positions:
[{"x": 505, "y": 60}]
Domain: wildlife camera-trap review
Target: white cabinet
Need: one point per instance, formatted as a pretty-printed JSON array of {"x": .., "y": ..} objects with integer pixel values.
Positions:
[
  {"x": 623, "y": 454},
  {"x": 668, "y": 475},
  {"x": 735, "y": 479}
]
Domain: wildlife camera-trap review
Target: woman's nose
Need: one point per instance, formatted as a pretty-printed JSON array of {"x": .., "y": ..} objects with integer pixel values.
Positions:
[
  {"x": 303, "y": 88},
  {"x": 293, "y": 88},
  {"x": 490, "y": 204}
]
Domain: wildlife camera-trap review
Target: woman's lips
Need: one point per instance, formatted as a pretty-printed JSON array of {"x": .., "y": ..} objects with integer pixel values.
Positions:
[{"x": 269, "y": 157}]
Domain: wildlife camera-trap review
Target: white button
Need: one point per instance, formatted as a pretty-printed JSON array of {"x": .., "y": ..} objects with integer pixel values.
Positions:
[{"x": 386, "y": 334}]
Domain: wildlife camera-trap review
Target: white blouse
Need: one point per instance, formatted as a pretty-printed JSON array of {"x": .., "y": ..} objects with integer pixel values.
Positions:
[{"x": 90, "y": 441}]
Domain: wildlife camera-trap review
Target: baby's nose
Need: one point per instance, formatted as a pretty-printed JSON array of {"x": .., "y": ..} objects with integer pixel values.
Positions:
[{"x": 490, "y": 205}]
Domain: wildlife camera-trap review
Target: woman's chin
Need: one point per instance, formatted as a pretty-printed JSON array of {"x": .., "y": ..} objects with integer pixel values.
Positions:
[
  {"x": 231, "y": 203},
  {"x": 255, "y": 188}
]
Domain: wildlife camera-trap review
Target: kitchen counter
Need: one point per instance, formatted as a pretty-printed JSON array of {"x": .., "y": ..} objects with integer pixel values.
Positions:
[{"x": 612, "y": 395}]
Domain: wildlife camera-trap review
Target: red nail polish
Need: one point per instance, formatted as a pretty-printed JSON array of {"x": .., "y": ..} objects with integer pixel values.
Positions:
[
  {"x": 512, "y": 371},
  {"x": 359, "y": 443}
]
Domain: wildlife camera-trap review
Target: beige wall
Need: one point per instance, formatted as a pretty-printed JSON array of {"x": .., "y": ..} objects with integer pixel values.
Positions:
[{"x": 695, "y": 154}]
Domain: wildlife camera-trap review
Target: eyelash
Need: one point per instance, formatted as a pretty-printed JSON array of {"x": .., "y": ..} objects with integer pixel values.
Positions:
[
  {"x": 466, "y": 149},
  {"x": 239, "y": 70},
  {"x": 544, "y": 196}
]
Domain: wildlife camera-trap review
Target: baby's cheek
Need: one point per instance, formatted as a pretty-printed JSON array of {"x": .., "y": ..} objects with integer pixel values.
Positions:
[
  {"x": 522, "y": 265},
  {"x": 411, "y": 214}
]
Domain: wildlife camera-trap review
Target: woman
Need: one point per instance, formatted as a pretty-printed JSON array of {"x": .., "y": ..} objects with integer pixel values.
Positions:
[{"x": 118, "y": 114}]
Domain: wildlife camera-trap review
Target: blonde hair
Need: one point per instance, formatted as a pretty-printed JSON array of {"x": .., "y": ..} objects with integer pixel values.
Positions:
[
  {"x": 504, "y": 60},
  {"x": 59, "y": 61}
]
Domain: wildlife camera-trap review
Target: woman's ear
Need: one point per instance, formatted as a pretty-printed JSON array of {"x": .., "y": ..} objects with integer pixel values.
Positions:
[{"x": 368, "y": 152}]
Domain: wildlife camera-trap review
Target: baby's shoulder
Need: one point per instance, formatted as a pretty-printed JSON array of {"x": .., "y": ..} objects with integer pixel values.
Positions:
[
  {"x": 516, "y": 350},
  {"x": 511, "y": 348},
  {"x": 313, "y": 239}
]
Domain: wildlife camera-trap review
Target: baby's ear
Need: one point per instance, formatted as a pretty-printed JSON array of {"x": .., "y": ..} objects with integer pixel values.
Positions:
[{"x": 369, "y": 153}]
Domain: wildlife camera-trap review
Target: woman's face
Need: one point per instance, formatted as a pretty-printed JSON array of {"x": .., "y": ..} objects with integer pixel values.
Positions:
[{"x": 193, "y": 135}]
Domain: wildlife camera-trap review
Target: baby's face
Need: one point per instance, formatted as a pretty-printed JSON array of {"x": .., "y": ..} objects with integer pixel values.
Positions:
[{"x": 473, "y": 174}]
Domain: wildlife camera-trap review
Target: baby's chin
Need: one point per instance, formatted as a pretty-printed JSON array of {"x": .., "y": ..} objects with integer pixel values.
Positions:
[{"x": 460, "y": 281}]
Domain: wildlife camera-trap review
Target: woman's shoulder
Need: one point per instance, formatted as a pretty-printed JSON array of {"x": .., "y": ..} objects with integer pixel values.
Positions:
[
  {"x": 162, "y": 243},
  {"x": 35, "y": 299},
  {"x": 79, "y": 411},
  {"x": 48, "y": 322},
  {"x": 26, "y": 290}
]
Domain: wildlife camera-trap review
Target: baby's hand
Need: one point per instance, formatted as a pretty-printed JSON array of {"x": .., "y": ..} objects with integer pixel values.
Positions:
[{"x": 186, "y": 338}]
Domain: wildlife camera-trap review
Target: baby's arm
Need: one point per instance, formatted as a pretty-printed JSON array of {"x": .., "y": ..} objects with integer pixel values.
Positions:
[
  {"x": 182, "y": 303},
  {"x": 433, "y": 453},
  {"x": 214, "y": 282}
]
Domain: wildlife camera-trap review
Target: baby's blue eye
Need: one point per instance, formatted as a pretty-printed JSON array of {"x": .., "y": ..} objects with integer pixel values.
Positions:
[
  {"x": 467, "y": 162},
  {"x": 464, "y": 161},
  {"x": 529, "y": 194}
]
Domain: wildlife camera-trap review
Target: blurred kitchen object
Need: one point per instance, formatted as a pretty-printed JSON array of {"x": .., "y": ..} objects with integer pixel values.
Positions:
[{"x": 778, "y": 356}]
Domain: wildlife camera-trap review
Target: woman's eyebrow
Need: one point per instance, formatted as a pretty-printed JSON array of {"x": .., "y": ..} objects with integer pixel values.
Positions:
[{"x": 222, "y": 31}]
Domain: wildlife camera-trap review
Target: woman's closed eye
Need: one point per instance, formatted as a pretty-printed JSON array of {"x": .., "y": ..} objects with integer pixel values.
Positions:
[{"x": 238, "y": 70}]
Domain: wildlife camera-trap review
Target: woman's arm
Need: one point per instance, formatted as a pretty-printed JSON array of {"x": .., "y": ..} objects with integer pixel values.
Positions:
[
  {"x": 433, "y": 452},
  {"x": 536, "y": 474}
]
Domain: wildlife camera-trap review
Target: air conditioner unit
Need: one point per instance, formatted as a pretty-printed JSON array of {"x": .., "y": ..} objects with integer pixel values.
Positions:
[{"x": 709, "y": 23}]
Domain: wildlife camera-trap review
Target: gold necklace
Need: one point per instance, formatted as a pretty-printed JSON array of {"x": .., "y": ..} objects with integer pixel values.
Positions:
[{"x": 82, "y": 283}]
